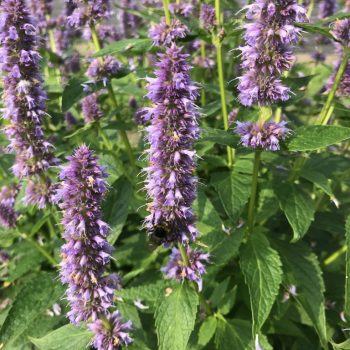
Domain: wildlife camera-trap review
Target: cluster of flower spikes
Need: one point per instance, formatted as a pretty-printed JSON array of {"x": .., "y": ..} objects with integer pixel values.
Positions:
[
  {"x": 8, "y": 214},
  {"x": 268, "y": 51},
  {"x": 86, "y": 253},
  {"x": 341, "y": 31},
  {"x": 24, "y": 97},
  {"x": 265, "y": 136}
]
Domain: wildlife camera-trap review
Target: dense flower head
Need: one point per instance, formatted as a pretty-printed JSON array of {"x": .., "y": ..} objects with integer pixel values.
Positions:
[
  {"x": 86, "y": 253},
  {"x": 176, "y": 267},
  {"x": 24, "y": 98},
  {"x": 183, "y": 9},
  {"x": 40, "y": 191},
  {"x": 208, "y": 16},
  {"x": 89, "y": 12},
  {"x": 99, "y": 70},
  {"x": 113, "y": 335},
  {"x": 90, "y": 108},
  {"x": 171, "y": 183},
  {"x": 341, "y": 31},
  {"x": 163, "y": 34},
  {"x": 8, "y": 214},
  {"x": 267, "y": 53},
  {"x": 266, "y": 136}
]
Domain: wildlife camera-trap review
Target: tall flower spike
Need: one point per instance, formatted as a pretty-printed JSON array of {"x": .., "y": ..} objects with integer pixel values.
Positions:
[
  {"x": 40, "y": 10},
  {"x": 267, "y": 54},
  {"x": 86, "y": 253},
  {"x": 171, "y": 183},
  {"x": 24, "y": 97},
  {"x": 8, "y": 215}
]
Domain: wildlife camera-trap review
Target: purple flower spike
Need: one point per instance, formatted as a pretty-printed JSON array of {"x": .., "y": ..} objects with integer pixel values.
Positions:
[
  {"x": 40, "y": 192},
  {"x": 103, "y": 70},
  {"x": 8, "y": 215},
  {"x": 327, "y": 8},
  {"x": 267, "y": 54},
  {"x": 24, "y": 97},
  {"x": 208, "y": 16},
  {"x": 171, "y": 183},
  {"x": 177, "y": 269},
  {"x": 181, "y": 9},
  {"x": 341, "y": 31},
  {"x": 162, "y": 34},
  {"x": 90, "y": 108},
  {"x": 111, "y": 333},
  {"x": 266, "y": 136},
  {"x": 86, "y": 253},
  {"x": 40, "y": 9}
]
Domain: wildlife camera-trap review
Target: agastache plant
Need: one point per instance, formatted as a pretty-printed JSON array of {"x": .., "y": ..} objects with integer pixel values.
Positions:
[
  {"x": 86, "y": 253},
  {"x": 268, "y": 51},
  {"x": 8, "y": 214},
  {"x": 24, "y": 97}
]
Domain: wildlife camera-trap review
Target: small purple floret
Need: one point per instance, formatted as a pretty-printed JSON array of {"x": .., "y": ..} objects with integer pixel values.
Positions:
[{"x": 163, "y": 34}]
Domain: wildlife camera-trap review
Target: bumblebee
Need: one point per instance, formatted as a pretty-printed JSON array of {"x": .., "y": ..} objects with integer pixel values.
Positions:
[{"x": 159, "y": 234}]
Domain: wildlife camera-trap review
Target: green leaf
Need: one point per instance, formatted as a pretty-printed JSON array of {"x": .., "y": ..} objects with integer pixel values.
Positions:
[
  {"x": 318, "y": 179},
  {"x": 116, "y": 207},
  {"x": 261, "y": 267},
  {"x": 342, "y": 346},
  {"x": 175, "y": 317},
  {"x": 347, "y": 272},
  {"x": 317, "y": 29},
  {"x": 297, "y": 206},
  {"x": 72, "y": 93},
  {"x": 234, "y": 192},
  {"x": 132, "y": 46},
  {"x": 313, "y": 137},
  {"x": 207, "y": 330},
  {"x": 65, "y": 338},
  {"x": 301, "y": 269},
  {"x": 34, "y": 298},
  {"x": 220, "y": 137},
  {"x": 233, "y": 334},
  {"x": 222, "y": 245}
]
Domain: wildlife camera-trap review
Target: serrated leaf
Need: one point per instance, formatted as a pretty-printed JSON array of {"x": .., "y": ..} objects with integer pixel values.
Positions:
[
  {"x": 347, "y": 265},
  {"x": 317, "y": 29},
  {"x": 234, "y": 192},
  {"x": 116, "y": 207},
  {"x": 261, "y": 267},
  {"x": 175, "y": 317},
  {"x": 134, "y": 46},
  {"x": 318, "y": 179},
  {"x": 36, "y": 296},
  {"x": 301, "y": 269},
  {"x": 64, "y": 338},
  {"x": 313, "y": 137},
  {"x": 298, "y": 207},
  {"x": 207, "y": 330},
  {"x": 72, "y": 93},
  {"x": 222, "y": 246}
]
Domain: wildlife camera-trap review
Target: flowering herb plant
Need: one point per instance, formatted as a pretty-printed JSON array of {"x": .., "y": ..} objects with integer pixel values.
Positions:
[{"x": 174, "y": 175}]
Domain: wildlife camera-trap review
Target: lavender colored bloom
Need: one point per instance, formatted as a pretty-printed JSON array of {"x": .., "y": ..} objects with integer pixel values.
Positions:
[
  {"x": 113, "y": 336},
  {"x": 170, "y": 183},
  {"x": 341, "y": 31},
  {"x": 267, "y": 53},
  {"x": 177, "y": 269},
  {"x": 266, "y": 136},
  {"x": 40, "y": 9},
  {"x": 327, "y": 8},
  {"x": 318, "y": 56},
  {"x": 72, "y": 63},
  {"x": 128, "y": 22},
  {"x": 90, "y": 108},
  {"x": 8, "y": 214},
  {"x": 24, "y": 98},
  {"x": 39, "y": 192},
  {"x": 208, "y": 16},
  {"x": 89, "y": 12},
  {"x": 86, "y": 253},
  {"x": 163, "y": 34},
  {"x": 69, "y": 120},
  {"x": 103, "y": 70},
  {"x": 184, "y": 9}
]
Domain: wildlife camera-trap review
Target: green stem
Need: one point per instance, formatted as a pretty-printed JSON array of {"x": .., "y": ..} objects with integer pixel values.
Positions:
[
  {"x": 335, "y": 255},
  {"x": 252, "y": 200},
  {"x": 219, "y": 59},
  {"x": 311, "y": 7},
  {"x": 203, "y": 55},
  {"x": 184, "y": 257},
  {"x": 166, "y": 11},
  {"x": 112, "y": 97},
  {"x": 41, "y": 250},
  {"x": 325, "y": 113}
]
